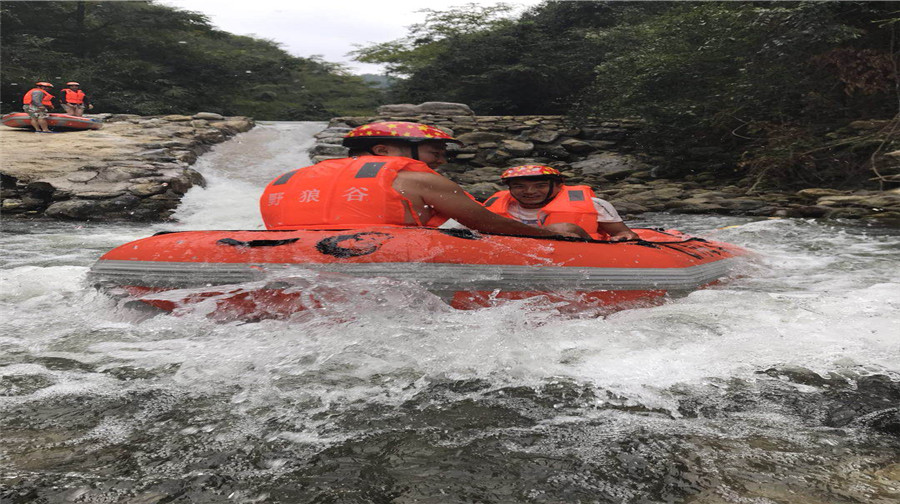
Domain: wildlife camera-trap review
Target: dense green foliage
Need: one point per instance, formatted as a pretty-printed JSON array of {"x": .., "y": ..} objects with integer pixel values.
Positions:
[
  {"x": 757, "y": 91},
  {"x": 143, "y": 58}
]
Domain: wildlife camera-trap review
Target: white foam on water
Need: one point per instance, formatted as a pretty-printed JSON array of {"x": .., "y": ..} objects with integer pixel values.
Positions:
[
  {"x": 823, "y": 296},
  {"x": 237, "y": 171}
]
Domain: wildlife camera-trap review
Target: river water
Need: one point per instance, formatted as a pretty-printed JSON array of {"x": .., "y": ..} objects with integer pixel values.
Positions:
[{"x": 781, "y": 385}]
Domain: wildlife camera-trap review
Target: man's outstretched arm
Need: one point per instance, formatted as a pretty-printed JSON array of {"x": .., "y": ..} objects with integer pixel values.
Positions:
[{"x": 450, "y": 200}]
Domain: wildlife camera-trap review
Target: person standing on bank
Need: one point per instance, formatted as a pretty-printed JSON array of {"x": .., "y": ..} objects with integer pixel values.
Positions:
[
  {"x": 537, "y": 196},
  {"x": 388, "y": 180},
  {"x": 37, "y": 103},
  {"x": 73, "y": 99}
]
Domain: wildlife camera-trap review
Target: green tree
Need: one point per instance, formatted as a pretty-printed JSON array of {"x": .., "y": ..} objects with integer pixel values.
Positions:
[{"x": 144, "y": 58}]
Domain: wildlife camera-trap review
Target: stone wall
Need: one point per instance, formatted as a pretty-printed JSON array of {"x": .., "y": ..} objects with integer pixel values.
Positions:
[
  {"x": 593, "y": 153},
  {"x": 134, "y": 168},
  {"x": 600, "y": 153}
]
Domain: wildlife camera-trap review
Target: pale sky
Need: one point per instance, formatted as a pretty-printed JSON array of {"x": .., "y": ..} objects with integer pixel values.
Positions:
[{"x": 327, "y": 28}]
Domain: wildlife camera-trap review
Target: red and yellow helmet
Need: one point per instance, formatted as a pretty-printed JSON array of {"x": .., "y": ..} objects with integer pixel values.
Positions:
[
  {"x": 530, "y": 171},
  {"x": 370, "y": 134}
]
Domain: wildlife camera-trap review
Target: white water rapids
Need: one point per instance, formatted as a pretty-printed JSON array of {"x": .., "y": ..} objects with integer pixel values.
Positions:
[{"x": 786, "y": 368}]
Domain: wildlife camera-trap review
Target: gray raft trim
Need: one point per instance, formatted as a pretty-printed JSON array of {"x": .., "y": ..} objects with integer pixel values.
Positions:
[{"x": 435, "y": 276}]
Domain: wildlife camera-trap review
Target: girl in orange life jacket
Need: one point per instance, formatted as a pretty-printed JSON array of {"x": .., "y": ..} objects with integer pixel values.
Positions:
[
  {"x": 74, "y": 100},
  {"x": 37, "y": 102},
  {"x": 388, "y": 186},
  {"x": 536, "y": 195}
]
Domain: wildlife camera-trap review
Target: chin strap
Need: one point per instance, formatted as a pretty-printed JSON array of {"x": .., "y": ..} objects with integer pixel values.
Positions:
[{"x": 550, "y": 194}]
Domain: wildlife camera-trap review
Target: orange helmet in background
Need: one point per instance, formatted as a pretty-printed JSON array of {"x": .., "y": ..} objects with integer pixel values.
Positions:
[
  {"x": 73, "y": 83},
  {"x": 530, "y": 171},
  {"x": 367, "y": 135},
  {"x": 42, "y": 83}
]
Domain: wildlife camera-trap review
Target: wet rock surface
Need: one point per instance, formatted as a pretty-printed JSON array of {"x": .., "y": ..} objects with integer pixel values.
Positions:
[
  {"x": 134, "y": 168},
  {"x": 600, "y": 153}
]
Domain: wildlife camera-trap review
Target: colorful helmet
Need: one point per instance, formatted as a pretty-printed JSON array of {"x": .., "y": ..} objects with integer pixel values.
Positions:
[
  {"x": 42, "y": 83},
  {"x": 73, "y": 83},
  {"x": 530, "y": 171},
  {"x": 370, "y": 134}
]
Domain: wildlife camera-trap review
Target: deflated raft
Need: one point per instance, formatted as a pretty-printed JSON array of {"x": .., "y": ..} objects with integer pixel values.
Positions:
[
  {"x": 21, "y": 120},
  {"x": 466, "y": 269}
]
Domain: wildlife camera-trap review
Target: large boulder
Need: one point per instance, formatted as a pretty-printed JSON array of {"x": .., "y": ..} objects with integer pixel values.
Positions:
[
  {"x": 517, "y": 148},
  {"x": 609, "y": 162},
  {"x": 73, "y": 209},
  {"x": 209, "y": 116},
  {"x": 446, "y": 108},
  {"x": 479, "y": 137},
  {"x": 433, "y": 108},
  {"x": 398, "y": 109}
]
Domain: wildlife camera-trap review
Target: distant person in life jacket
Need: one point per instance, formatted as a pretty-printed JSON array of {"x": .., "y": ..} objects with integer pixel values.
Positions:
[
  {"x": 37, "y": 103},
  {"x": 73, "y": 99},
  {"x": 389, "y": 179},
  {"x": 538, "y": 196}
]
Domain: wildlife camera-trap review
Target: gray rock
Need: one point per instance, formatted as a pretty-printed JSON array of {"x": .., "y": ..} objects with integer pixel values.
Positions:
[
  {"x": 818, "y": 192},
  {"x": 81, "y": 176},
  {"x": 498, "y": 157},
  {"x": 233, "y": 126},
  {"x": 480, "y": 137},
  {"x": 517, "y": 148},
  {"x": 156, "y": 154},
  {"x": 543, "y": 136},
  {"x": 148, "y": 188},
  {"x": 209, "y": 116},
  {"x": 609, "y": 163},
  {"x": 73, "y": 209},
  {"x": 482, "y": 190},
  {"x": 211, "y": 136},
  {"x": 629, "y": 207},
  {"x": 12, "y": 205},
  {"x": 876, "y": 200},
  {"x": 552, "y": 152},
  {"x": 576, "y": 146},
  {"x": 446, "y": 108},
  {"x": 399, "y": 109},
  {"x": 119, "y": 203},
  {"x": 328, "y": 150},
  {"x": 185, "y": 156}
]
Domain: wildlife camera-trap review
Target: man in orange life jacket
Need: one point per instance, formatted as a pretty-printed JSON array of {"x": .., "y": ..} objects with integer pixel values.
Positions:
[
  {"x": 38, "y": 102},
  {"x": 388, "y": 180},
  {"x": 73, "y": 99},
  {"x": 537, "y": 196}
]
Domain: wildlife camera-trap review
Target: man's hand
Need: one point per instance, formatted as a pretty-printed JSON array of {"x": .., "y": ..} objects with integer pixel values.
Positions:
[{"x": 617, "y": 231}]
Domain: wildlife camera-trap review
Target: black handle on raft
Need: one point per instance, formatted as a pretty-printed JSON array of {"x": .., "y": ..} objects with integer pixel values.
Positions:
[{"x": 256, "y": 243}]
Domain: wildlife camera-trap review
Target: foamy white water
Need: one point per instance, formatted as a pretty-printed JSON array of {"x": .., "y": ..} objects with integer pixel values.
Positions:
[{"x": 820, "y": 297}]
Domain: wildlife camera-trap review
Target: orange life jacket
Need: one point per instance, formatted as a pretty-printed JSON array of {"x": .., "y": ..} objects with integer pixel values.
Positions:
[
  {"x": 73, "y": 97},
  {"x": 341, "y": 193},
  {"x": 45, "y": 99},
  {"x": 573, "y": 204}
]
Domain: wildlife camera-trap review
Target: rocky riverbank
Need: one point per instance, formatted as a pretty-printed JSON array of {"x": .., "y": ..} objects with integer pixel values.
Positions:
[
  {"x": 134, "y": 167},
  {"x": 138, "y": 167},
  {"x": 599, "y": 153}
]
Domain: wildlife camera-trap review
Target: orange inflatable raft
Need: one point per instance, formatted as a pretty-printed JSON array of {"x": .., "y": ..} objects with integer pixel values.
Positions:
[
  {"x": 21, "y": 120},
  {"x": 466, "y": 269}
]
